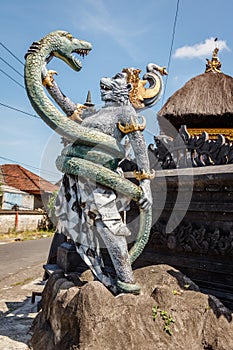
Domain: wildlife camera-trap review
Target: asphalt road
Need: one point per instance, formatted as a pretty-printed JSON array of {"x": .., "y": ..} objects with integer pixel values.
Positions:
[{"x": 19, "y": 260}]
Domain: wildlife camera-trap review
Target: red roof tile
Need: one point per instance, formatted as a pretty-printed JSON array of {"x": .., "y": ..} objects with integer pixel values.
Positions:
[{"x": 17, "y": 176}]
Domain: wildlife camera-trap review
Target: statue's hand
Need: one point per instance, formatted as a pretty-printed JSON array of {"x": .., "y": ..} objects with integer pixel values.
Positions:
[{"x": 146, "y": 201}]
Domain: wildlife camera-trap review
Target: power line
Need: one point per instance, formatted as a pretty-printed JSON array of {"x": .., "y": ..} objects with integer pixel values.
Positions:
[
  {"x": 29, "y": 166},
  {"x": 12, "y": 53},
  {"x": 12, "y": 78},
  {"x": 171, "y": 48},
  {"x": 11, "y": 67},
  {"x": 19, "y": 110},
  {"x": 7, "y": 106}
]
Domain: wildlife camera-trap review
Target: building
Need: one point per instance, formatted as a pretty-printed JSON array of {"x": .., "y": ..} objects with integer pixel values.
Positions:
[
  {"x": 192, "y": 190},
  {"x": 22, "y": 189},
  {"x": 204, "y": 103},
  {"x": 11, "y": 197}
]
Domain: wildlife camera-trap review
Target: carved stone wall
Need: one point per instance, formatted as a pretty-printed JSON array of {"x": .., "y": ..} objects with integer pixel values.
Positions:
[
  {"x": 193, "y": 226},
  {"x": 184, "y": 150}
]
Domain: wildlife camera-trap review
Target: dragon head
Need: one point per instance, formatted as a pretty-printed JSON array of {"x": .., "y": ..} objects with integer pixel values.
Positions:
[
  {"x": 63, "y": 45},
  {"x": 67, "y": 45}
]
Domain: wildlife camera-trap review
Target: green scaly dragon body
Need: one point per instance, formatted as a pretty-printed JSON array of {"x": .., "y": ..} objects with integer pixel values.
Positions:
[{"x": 91, "y": 148}]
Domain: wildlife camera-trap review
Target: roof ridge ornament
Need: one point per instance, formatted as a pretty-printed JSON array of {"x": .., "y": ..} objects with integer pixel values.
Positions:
[{"x": 214, "y": 65}]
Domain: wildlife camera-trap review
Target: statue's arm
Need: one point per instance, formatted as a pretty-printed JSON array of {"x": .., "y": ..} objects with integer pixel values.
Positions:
[
  {"x": 141, "y": 155},
  {"x": 72, "y": 110}
]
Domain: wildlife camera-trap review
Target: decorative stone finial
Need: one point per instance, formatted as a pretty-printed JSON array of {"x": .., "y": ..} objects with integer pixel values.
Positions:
[
  {"x": 214, "y": 65},
  {"x": 88, "y": 102}
]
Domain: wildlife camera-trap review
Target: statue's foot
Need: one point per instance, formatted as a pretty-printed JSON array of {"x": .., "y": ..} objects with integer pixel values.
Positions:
[{"x": 124, "y": 287}]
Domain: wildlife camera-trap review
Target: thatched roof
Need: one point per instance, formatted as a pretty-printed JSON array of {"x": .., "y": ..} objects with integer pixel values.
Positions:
[{"x": 204, "y": 101}]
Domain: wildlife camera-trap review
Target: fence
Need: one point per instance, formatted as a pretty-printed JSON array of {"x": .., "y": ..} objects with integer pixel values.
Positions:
[{"x": 23, "y": 220}]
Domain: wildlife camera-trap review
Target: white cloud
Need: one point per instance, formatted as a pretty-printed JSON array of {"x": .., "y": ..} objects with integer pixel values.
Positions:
[{"x": 200, "y": 50}]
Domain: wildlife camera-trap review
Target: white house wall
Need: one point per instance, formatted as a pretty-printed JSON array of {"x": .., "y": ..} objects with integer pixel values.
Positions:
[
  {"x": 11, "y": 197},
  {"x": 27, "y": 220}
]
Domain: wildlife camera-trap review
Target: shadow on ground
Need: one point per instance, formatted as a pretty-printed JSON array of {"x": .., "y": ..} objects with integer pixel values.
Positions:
[{"x": 15, "y": 323}]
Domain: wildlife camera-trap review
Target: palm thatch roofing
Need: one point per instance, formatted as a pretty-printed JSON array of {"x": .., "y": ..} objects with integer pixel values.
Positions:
[{"x": 204, "y": 101}]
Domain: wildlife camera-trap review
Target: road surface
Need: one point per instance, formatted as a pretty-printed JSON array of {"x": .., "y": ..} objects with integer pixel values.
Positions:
[
  {"x": 21, "y": 262},
  {"x": 21, "y": 272}
]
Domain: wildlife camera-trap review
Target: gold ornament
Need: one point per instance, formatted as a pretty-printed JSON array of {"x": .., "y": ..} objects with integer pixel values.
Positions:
[
  {"x": 48, "y": 80},
  {"x": 127, "y": 128},
  {"x": 76, "y": 116},
  {"x": 139, "y": 93},
  {"x": 142, "y": 175},
  {"x": 214, "y": 65}
]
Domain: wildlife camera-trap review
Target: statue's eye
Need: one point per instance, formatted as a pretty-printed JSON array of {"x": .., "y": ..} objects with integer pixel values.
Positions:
[
  {"x": 118, "y": 76},
  {"x": 69, "y": 36}
]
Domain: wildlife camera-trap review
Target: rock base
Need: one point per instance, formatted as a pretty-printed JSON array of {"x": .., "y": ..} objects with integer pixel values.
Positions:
[{"x": 169, "y": 314}]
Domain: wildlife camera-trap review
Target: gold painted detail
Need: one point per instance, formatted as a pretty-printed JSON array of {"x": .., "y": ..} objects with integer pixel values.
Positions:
[
  {"x": 162, "y": 70},
  {"x": 213, "y": 132},
  {"x": 133, "y": 78},
  {"x": 139, "y": 92},
  {"x": 48, "y": 80},
  {"x": 214, "y": 65},
  {"x": 142, "y": 175},
  {"x": 76, "y": 116},
  {"x": 131, "y": 127}
]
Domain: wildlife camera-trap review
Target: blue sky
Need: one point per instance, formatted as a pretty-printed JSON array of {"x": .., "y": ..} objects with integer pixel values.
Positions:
[{"x": 123, "y": 34}]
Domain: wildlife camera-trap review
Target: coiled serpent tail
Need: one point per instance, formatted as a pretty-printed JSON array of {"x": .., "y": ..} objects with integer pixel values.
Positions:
[{"x": 93, "y": 153}]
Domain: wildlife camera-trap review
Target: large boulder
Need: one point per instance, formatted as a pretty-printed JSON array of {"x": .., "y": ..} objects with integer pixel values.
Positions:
[{"x": 170, "y": 313}]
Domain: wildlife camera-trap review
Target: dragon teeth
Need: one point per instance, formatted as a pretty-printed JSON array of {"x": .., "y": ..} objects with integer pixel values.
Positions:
[{"x": 83, "y": 52}]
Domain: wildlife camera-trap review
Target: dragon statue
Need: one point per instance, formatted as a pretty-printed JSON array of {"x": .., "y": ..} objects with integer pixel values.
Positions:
[{"x": 95, "y": 150}]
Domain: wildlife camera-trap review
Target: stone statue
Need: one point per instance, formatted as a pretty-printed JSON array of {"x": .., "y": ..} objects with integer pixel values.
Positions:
[{"x": 93, "y": 190}]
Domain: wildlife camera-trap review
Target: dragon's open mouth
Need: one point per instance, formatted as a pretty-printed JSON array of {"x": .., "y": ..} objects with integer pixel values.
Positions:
[{"x": 82, "y": 53}]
